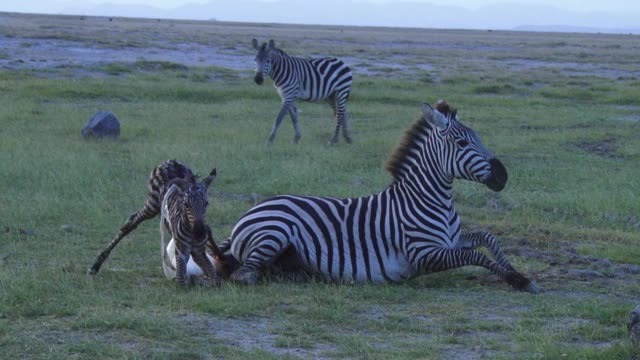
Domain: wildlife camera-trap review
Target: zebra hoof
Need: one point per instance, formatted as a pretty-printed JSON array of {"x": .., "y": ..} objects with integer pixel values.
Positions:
[
  {"x": 532, "y": 288},
  {"x": 244, "y": 275},
  {"x": 93, "y": 270},
  {"x": 518, "y": 281}
]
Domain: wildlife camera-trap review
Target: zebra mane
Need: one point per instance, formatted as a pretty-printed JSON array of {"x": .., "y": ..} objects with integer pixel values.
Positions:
[
  {"x": 394, "y": 165},
  {"x": 418, "y": 129}
]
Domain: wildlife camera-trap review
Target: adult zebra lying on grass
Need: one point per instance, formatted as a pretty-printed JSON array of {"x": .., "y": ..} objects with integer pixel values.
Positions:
[
  {"x": 408, "y": 229},
  {"x": 162, "y": 176},
  {"x": 294, "y": 78}
]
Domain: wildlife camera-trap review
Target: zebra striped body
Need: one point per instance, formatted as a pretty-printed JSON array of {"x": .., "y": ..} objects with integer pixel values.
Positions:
[
  {"x": 182, "y": 215},
  {"x": 159, "y": 180},
  {"x": 410, "y": 228},
  {"x": 327, "y": 79}
]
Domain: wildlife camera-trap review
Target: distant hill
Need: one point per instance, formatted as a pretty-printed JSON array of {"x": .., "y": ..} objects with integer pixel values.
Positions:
[
  {"x": 576, "y": 29},
  {"x": 398, "y": 14}
]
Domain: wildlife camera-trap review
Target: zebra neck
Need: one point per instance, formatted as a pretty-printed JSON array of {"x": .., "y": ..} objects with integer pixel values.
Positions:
[
  {"x": 278, "y": 71},
  {"x": 186, "y": 220},
  {"x": 424, "y": 192}
]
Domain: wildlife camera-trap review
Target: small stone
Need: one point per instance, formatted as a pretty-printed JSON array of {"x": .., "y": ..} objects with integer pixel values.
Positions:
[{"x": 66, "y": 228}]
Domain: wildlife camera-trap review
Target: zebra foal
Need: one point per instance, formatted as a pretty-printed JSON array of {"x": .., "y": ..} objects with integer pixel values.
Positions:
[
  {"x": 324, "y": 79},
  {"x": 408, "y": 229},
  {"x": 170, "y": 172},
  {"x": 183, "y": 212}
]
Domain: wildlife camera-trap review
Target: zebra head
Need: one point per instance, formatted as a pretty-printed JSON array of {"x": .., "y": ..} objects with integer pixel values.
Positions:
[
  {"x": 195, "y": 202},
  {"x": 263, "y": 60},
  {"x": 463, "y": 154}
]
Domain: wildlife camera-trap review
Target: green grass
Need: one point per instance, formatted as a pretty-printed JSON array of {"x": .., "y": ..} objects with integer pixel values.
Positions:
[{"x": 569, "y": 142}]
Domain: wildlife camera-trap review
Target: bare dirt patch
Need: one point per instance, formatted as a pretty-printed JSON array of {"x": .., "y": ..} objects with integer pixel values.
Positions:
[
  {"x": 248, "y": 334},
  {"x": 605, "y": 148}
]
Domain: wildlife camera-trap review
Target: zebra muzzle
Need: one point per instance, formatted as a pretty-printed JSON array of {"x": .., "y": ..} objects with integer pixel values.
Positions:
[
  {"x": 199, "y": 230},
  {"x": 498, "y": 178},
  {"x": 259, "y": 79}
]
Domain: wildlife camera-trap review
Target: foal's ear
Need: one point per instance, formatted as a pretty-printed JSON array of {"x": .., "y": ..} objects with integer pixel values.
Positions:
[
  {"x": 254, "y": 42},
  {"x": 272, "y": 44},
  {"x": 434, "y": 117},
  {"x": 212, "y": 175}
]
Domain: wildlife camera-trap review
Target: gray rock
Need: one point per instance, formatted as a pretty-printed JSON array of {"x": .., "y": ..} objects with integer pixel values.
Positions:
[{"x": 102, "y": 125}]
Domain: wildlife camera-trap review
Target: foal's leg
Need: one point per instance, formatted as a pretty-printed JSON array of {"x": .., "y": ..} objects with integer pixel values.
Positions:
[{"x": 150, "y": 210}]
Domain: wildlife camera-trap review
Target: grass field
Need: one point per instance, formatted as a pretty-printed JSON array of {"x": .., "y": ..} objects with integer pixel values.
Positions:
[{"x": 562, "y": 111}]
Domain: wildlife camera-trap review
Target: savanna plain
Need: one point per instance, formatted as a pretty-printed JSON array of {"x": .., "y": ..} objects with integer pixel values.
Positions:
[{"x": 562, "y": 112}]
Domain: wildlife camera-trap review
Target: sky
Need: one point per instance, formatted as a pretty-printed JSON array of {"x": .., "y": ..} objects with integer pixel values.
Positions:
[{"x": 473, "y": 14}]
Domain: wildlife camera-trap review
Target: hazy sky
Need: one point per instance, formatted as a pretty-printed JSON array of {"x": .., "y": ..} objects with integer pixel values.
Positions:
[
  {"x": 612, "y": 6},
  {"x": 478, "y": 14}
]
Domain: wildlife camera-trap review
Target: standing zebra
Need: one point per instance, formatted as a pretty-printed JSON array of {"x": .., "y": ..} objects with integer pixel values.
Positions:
[
  {"x": 159, "y": 180},
  {"x": 183, "y": 215},
  {"x": 294, "y": 78},
  {"x": 410, "y": 228}
]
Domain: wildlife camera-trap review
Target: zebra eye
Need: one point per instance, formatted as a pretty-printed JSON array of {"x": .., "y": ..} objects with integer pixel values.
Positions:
[{"x": 462, "y": 142}]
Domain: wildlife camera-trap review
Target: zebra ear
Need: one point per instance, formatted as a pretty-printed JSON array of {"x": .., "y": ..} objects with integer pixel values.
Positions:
[
  {"x": 212, "y": 175},
  {"x": 272, "y": 44},
  {"x": 434, "y": 117},
  {"x": 254, "y": 42}
]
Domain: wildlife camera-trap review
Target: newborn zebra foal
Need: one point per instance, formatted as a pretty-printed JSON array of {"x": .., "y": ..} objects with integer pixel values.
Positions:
[
  {"x": 182, "y": 215},
  {"x": 159, "y": 184}
]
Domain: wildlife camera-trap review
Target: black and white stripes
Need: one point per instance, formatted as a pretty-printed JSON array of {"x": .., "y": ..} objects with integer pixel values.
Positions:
[
  {"x": 183, "y": 215},
  {"x": 327, "y": 79},
  {"x": 159, "y": 180},
  {"x": 408, "y": 229}
]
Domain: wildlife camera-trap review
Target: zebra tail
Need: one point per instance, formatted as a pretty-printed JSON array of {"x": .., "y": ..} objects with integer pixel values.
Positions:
[{"x": 225, "y": 246}]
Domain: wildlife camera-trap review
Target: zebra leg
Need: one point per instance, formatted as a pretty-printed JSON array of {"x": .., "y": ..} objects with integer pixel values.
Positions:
[
  {"x": 293, "y": 112},
  {"x": 167, "y": 267},
  {"x": 332, "y": 102},
  {"x": 482, "y": 238},
  {"x": 182, "y": 258},
  {"x": 342, "y": 121},
  {"x": 200, "y": 258},
  {"x": 283, "y": 111},
  {"x": 441, "y": 259},
  {"x": 149, "y": 211},
  {"x": 262, "y": 254},
  {"x": 341, "y": 118}
]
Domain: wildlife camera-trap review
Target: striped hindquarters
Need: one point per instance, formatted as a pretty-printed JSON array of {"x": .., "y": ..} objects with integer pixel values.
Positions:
[{"x": 341, "y": 239}]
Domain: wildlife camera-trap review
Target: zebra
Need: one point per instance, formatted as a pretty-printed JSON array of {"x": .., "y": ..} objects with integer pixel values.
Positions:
[
  {"x": 408, "y": 229},
  {"x": 327, "y": 79},
  {"x": 183, "y": 216},
  {"x": 161, "y": 177}
]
